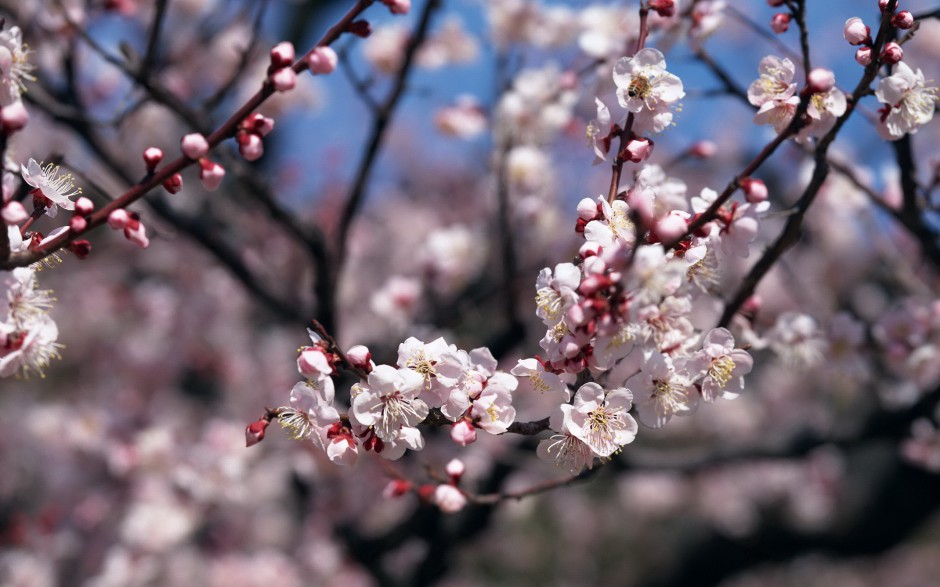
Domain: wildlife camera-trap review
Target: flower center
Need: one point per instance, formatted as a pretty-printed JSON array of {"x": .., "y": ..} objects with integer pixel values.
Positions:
[{"x": 721, "y": 370}]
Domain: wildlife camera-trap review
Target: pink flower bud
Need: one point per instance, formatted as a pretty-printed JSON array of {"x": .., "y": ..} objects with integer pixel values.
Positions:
[
  {"x": 282, "y": 55},
  {"x": 752, "y": 305},
  {"x": 455, "y": 469},
  {"x": 703, "y": 149},
  {"x": 856, "y": 32},
  {"x": 284, "y": 79},
  {"x": 396, "y": 488},
  {"x": 174, "y": 183},
  {"x": 755, "y": 190},
  {"x": 587, "y": 209},
  {"x": 903, "y": 20},
  {"x": 14, "y": 213},
  {"x": 322, "y": 60},
  {"x": 664, "y": 8},
  {"x": 892, "y": 53},
  {"x": 254, "y": 432},
  {"x": 136, "y": 232},
  {"x": 211, "y": 175},
  {"x": 118, "y": 219},
  {"x": 84, "y": 206},
  {"x": 81, "y": 248},
  {"x": 152, "y": 157},
  {"x": 863, "y": 55},
  {"x": 449, "y": 499},
  {"x": 258, "y": 124},
  {"x": 398, "y": 6},
  {"x": 361, "y": 357},
  {"x": 638, "y": 150},
  {"x": 821, "y": 80},
  {"x": 14, "y": 117},
  {"x": 589, "y": 249},
  {"x": 594, "y": 265},
  {"x": 882, "y": 5},
  {"x": 251, "y": 148},
  {"x": 780, "y": 22},
  {"x": 194, "y": 145},
  {"x": 671, "y": 227},
  {"x": 463, "y": 433},
  {"x": 313, "y": 364}
]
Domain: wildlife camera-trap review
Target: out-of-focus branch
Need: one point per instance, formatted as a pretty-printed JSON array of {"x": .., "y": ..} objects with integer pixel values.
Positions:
[{"x": 153, "y": 42}]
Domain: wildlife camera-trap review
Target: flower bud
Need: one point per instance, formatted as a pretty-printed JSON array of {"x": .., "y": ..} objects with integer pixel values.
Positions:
[
  {"x": 587, "y": 209},
  {"x": 664, "y": 8},
  {"x": 703, "y": 149},
  {"x": 640, "y": 201},
  {"x": 396, "y": 488},
  {"x": 313, "y": 364},
  {"x": 174, "y": 183},
  {"x": 152, "y": 157},
  {"x": 882, "y": 5},
  {"x": 856, "y": 32},
  {"x": 449, "y": 499},
  {"x": 14, "y": 117},
  {"x": 863, "y": 55},
  {"x": 892, "y": 53},
  {"x": 361, "y": 357},
  {"x": 194, "y": 145},
  {"x": 282, "y": 55},
  {"x": 903, "y": 20},
  {"x": 118, "y": 219},
  {"x": 463, "y": 433},
  {"x": 820, "y": 80},
  {"x": 455, "y": 469},
  {"x": 780, "y": 22},
  {"x": 136, "y": 232},
  {"x": 398, "y": 6},
  {"x": 638, "y": 150},
  {"x": 755, "y": 190},
  {"x": 14, "y": 213},
  {"x": 254, "y": 432},
  {"x": 589, "y": 249},
  {"x": 78, "y": 224},
  {"x": 360, "y": 28},
  {"x": 671, "y": 227},
  {"x": 211, "y": 175},
  {"x": 81, "y": 248},
  {"x": 284, "y": 79},
  {"x": 322, "y": 60},
  {"x": 250, "y": 146},
  {"x": 84, "y": 206}
]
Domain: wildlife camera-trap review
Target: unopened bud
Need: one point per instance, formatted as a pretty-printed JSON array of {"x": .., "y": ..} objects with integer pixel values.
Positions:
[
  {"x": 449, "y": 498},
  {"x": 664, "y": 8},
  {"x": 398, "y": 6},
  {"x": 821, "y": 80},
  {"x": 360, "y": 28},
  {"x": 587, "y": 209},
  {"x": 361, "y": 357},
  {"x": 14, "y": 117},
  {"x": 254, "y": 433},
  {"x": 84, "y": 206},
  {"x": 194, "y": 145},
  {"x": 284, "y": 79},
  {"x": 118, "y": 219},
  {"x": 14, "y": 213},
  {"x": 322, "y": 60},
  {"x": 903, "y": 20},
  {"x": 463, "y": 433},
  {"x": 883, "y": 5},
  {"x": 250, "y": 146},
  {"x": 892, "y": 53},
  {"x": 282, "y": 55},
  {"x": 703, "y": 149},
  {"x": 671, "y": 227},
  {"x": 455, "y": 469},
  {"x": 211, "y": 174},
  {"x": 174, "y": 183},
  {"x": 152, "y": 157},
  {"x": 78, "y": 224},
  {"x": 638, "y": 150},
  {"x": 755, "y": 190},
  {"x": 136, "y": 232},
  {"x": 780, "y": 22},
  {"x": 856, "y": 32},
  {"x": 81, "y": 248},
  {"x": 863, "y": 55},
  {"x": 396, "y": 488}
]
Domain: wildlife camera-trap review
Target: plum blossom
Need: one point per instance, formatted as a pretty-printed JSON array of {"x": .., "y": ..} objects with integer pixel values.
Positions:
[
  {"x": 721, "y": 366},
  {"x": 909, "y": 102},
  {"x": 646, "y": 89},
  {"x": 492, "y": 410},
  {"x": 556, "y": 291},
  {"x": 599, "y": 132},
  {"x": 600, "y": 418},
  {"x": 28, "y": 348},
  {"x": 54, "y": 189},
  {"x": 437, "y": 363},
  {"x": 564, "y": 449},
  {"x": 534, "y": 376},
  {"x": 796, "y": 338},
  {"x": 390, "y": 401},
  {"x": 14, "y": 67},
  {"x": 660, "y": 391},
  {"x": 26, "y": 301}
]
